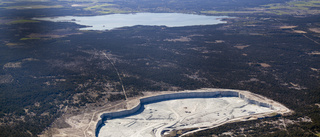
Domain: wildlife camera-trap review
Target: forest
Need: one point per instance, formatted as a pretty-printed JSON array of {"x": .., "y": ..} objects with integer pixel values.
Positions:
[{"x": 41, "y": 73}]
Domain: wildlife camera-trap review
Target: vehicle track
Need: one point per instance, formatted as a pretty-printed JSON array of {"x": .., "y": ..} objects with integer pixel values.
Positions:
[{"x": 123, "y": 89}]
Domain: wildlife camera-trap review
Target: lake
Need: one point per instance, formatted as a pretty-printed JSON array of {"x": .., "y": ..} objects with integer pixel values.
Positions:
[{"x": 113, "y": 21}]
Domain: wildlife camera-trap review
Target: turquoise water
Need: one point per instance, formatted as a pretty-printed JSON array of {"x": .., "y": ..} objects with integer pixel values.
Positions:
[{"x": 113, "y": 21}]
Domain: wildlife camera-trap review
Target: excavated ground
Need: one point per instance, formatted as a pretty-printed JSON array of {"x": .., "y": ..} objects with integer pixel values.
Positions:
[
  {"x": 178, "y": 114},
  {"x": 165, "y": 115}
]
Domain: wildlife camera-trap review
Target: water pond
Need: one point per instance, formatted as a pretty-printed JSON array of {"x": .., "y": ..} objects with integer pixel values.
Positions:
[{"x": 113, "y": 21}]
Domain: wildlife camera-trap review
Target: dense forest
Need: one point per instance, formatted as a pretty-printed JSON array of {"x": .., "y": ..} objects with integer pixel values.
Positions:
[{"x": 46, "y": 66}]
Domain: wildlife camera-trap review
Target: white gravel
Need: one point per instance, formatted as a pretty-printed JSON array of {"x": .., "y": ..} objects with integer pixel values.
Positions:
[{"x": 179, "y": 114}]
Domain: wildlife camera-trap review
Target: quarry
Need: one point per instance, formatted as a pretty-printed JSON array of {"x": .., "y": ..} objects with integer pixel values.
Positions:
[{"x": 156, "y": 114}]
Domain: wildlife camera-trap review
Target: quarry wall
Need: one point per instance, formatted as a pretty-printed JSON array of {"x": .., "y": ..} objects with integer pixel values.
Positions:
[{"x": 173, "y": 96}]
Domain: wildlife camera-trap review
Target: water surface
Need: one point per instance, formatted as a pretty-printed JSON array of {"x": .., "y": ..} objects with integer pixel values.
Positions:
[{"x": 112, "y": 21}]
